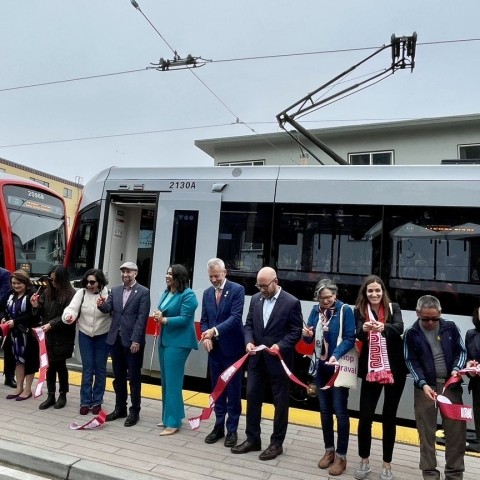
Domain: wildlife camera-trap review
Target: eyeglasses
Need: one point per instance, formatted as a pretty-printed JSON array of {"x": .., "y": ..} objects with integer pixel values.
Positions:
[
  {"x": 429, "y": 319},
  {"x": 264, "y": 287},
  {"x": 326, "y": 297},
  {"x": 91, "y": 282}
]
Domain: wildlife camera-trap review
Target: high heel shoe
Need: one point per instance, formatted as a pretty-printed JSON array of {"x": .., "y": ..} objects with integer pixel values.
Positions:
[{"x": 168, "y": 431}]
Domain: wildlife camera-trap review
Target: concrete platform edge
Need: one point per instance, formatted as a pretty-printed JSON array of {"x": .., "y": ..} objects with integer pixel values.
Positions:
[{"x": 61, "y": 466}]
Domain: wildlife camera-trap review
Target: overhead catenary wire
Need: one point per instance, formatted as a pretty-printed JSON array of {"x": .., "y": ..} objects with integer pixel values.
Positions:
[
  {"x": 238, "y": 59},
  {"x": 237, "y": 119}
]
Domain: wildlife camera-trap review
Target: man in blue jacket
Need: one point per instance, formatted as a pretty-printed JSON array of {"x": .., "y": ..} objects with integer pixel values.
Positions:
[
  {"x": 222, "y": 336},
  {"x": 434, "y": 351},
  {"x": 129, "y": 304}
]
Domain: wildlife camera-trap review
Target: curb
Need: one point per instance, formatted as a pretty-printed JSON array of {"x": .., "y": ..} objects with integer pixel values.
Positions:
[{"x": 62, "y": 466}]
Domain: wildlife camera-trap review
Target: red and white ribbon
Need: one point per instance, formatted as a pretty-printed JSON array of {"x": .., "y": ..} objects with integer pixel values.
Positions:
[
  {"x": 40, "y": 335},
  {"x": 331, "y": 382},
  {"x": 4, "y": 329},
  {"x": 451, "y": 410},
  {"x": 227, "y": 375},
  {"x": 95, "y": 422}
]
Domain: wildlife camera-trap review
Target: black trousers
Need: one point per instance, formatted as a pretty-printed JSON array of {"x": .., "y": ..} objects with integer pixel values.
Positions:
[
  {"x": 256, "y": 380},
  {"x": 57, "y": 367},
  {"x": 127, "y": 366}
]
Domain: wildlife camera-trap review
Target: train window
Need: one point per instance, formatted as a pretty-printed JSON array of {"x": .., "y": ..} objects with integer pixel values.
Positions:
[
  {"x": 341, "y": 242},
  {"x": 435, "y": 250},
  {"x": 184, "y": 239},
  {"x": 244, "y": 240},
  {"x": 83, "y": 242}
]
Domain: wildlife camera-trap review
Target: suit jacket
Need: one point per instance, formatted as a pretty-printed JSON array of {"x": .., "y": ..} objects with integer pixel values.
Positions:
[
  {"x": 130, "y": 320},
  {"x": 226, "y": 318},
  {"x": 284, "y": 328},
  {"x": 179, "y": 331}
]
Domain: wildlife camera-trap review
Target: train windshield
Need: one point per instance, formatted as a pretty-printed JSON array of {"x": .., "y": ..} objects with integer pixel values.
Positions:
[{"x": 37, "y": 223}]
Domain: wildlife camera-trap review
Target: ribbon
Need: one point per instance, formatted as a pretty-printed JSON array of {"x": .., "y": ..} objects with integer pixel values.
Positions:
[
  {"x": 40, "y": 335},
  {"x": 4, "y": 329},
  {"x": 227, "y": 375},
  {"x": 451, "y": 410},
  {"x": 331, "y": 382},
  {"x": 95, "y": 422}
]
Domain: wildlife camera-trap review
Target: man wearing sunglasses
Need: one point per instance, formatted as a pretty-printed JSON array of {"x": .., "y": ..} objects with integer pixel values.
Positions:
[{"x": 434, "y": 351}]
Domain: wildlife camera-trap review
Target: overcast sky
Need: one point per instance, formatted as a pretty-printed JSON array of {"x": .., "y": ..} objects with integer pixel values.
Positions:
[{"x": 55, "y": 40}]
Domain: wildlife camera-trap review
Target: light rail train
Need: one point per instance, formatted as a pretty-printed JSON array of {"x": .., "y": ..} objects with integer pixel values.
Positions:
[{"x": 417, "y": 227}]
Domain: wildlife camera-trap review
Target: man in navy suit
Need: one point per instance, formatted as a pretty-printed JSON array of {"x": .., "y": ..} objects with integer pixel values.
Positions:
[
  {"x": 130, "y": 306},
  {"x": 274, "y": 320},
  {"x": 222, "y": 336}
]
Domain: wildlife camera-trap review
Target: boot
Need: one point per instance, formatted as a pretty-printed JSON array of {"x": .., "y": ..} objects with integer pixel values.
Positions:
[
  {"x": 49, "y": 401},
  {"x": 10, "y": 381},
  {"x": 61, "y": 402}
]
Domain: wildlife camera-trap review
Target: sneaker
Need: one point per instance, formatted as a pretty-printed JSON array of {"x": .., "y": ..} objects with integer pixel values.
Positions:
[
  {"x": 84, "y": 410},
  {"x": 362, "y": 471},
  {"x": 386, "y": 474}
]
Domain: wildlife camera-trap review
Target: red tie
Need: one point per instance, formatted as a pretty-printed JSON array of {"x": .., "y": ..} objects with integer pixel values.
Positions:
[{"x": 218, "y": 295}]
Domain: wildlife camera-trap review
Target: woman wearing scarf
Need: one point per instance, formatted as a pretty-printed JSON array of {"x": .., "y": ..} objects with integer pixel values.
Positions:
[
  {"x": 20, "y": 319},
  {"x": 381, "y": 366},
  {"x": 324, "y": 325}
]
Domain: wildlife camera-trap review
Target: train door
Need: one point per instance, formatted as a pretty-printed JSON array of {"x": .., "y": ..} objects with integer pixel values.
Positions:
[
  {"x": 186, "y": 232},
  {"x": 129, "y": 235}
]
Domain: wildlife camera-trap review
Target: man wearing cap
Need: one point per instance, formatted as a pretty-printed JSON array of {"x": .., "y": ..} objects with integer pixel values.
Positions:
[{"x": 129, "y": 305}]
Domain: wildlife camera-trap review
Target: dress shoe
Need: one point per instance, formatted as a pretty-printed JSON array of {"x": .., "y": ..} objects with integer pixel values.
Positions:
[
  {"x": 10, "y": 382},
  {"x": 231, "y": 439},
  {"x": 61, "y": 402},
  {"x": 11, "y": 396},
  {"x": 327, "y": 459},
  {"x": 96, "y": 409},
  {"x": 246, "y": 447},
  {"x": 21, "y": 399},
  {"x": 216, "y": 434},
  {"x": 49, "y": 401},
  {"x": 132, "y": 419},
  {"x": 273, "y": 451},
  {"x": 338, "y": 467},
  {"x": 117, "y": 413},
  {"x": 84, "y": 410},
  {"x": 168, "y": 431}
]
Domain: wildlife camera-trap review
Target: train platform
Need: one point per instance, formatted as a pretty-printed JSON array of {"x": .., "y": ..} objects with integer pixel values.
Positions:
[{"x": 41, "y": 441}]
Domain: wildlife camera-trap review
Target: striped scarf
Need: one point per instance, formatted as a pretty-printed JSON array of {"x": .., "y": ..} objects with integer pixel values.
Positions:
[{"x": 378, "y": 364}]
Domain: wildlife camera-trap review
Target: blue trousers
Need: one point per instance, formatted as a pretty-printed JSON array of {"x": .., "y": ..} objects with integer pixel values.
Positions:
[
  {"x": 334, "y": 401},
  {"x": 228, "y": 406},
  {"x": 94, "y": 352},
  {"x": 172, "y": 370}
]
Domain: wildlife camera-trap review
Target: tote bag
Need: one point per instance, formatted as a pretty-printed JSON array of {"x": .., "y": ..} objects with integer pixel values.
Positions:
[{"x": 347, "y": 375}]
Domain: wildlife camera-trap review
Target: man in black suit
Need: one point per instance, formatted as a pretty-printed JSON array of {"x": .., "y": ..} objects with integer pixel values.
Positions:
[
  {"x": 129, "y": 304},
  {"x": 274, "y": 320}
]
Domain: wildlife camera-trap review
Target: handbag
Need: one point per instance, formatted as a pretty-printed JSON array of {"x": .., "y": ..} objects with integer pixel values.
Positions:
[{"x": 347, "y": 375}]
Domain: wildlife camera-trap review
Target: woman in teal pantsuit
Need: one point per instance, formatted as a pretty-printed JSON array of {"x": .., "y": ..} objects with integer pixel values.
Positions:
[{"x": 175, "y": 313}]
